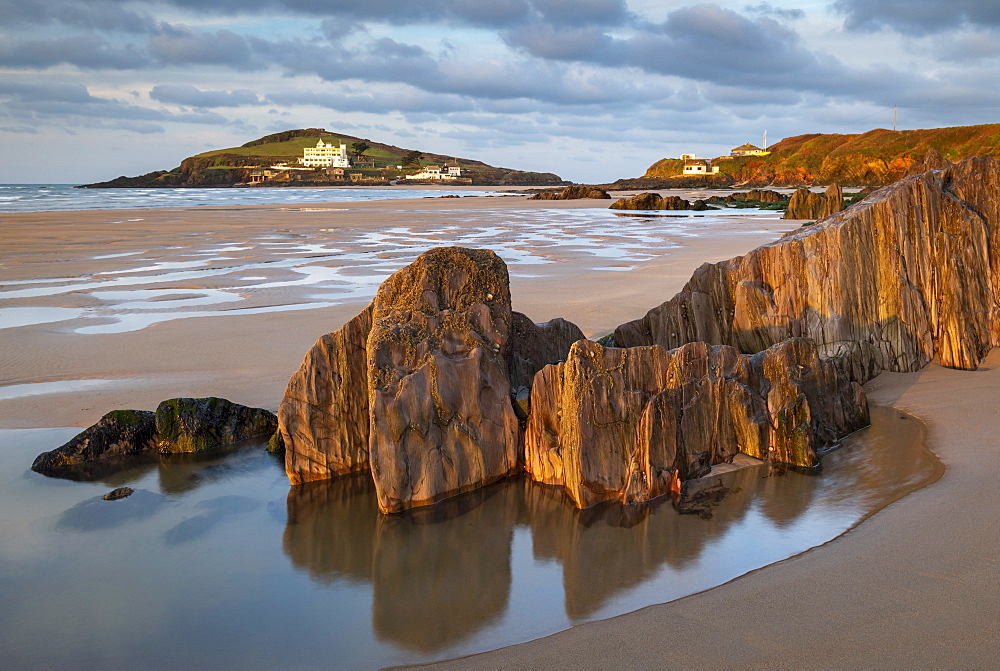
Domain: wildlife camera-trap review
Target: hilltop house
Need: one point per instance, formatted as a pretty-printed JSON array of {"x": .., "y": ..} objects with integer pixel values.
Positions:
[
  {"x": 748, "y": 150},
  {"x": 698, "y": 166},
  {"x": 325, "y": 155},
  {"x": 450, "y": 171}
]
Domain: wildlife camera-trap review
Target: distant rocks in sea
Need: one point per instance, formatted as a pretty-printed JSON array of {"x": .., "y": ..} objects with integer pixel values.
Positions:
[
  {"x": 575, "y": 192},
  {"x": 178, "y": 425},
  {"x": 654, "y": 201},
  {"x": 806, "y": 204}
]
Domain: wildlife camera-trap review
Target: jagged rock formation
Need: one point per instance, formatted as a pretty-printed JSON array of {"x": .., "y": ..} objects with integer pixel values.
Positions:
[
  {"x": 197, "y": 424},
  {"x": 438, "y": 387},
  {"x": 806, "y": 204},
  {"x": 120, "y": 433},
  {"x": 654, "y": 201},
  {"x": 932, "y": 160},
  {"x": 575, "y": 192},
  {"x": 323, "y": 418},
  {"x": 178, "y": 425},
  {"x": 625, "y": 424},
  {"x": 909, "y": 274},
  {"x": 418, "y": 387}
]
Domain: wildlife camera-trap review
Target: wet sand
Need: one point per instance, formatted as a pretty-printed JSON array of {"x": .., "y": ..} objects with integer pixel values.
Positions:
[{"x": 115, "y": 266}]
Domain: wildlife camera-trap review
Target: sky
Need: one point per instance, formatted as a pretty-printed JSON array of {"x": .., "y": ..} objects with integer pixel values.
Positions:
[{"x": 593, "y": 90}]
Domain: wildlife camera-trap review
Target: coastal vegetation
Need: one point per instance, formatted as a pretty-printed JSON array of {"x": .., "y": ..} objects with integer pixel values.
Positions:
[{"x": 876, "y": 158}]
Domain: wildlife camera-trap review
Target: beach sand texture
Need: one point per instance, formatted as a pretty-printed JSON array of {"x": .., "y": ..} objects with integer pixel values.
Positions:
[{"x": 915, "y": 585}]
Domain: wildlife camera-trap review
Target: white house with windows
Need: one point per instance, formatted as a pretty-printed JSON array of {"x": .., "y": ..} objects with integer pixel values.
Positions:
[
  {"x": 450, "y": 171},
  {"x": 325, "y": 155},
  {"x": 698, "y": 166}
]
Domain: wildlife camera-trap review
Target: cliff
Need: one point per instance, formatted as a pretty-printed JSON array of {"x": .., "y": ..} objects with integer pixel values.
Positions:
[
  {"x": 232, "y": 166},
  {"x": 876, "y": 158},
  {"x": 909, "y": 275}
]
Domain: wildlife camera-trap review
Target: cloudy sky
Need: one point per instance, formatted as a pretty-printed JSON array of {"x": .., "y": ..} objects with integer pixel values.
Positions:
[{"x": 591, "y": 89}]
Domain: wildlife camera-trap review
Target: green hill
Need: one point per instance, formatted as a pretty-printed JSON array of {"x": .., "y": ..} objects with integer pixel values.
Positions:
[
  {"x": 874, "y": 158},
  {"x": 234, "y": 166}
]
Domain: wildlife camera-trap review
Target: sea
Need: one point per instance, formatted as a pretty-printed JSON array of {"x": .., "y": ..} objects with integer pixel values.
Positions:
[{"x": 67, "y": 197}]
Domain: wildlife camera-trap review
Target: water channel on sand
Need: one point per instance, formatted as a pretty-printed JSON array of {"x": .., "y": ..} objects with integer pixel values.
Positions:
[{"x": 215, "y": 561}]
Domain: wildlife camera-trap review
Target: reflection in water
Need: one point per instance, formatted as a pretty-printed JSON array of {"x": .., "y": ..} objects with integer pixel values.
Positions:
[
  {"x": 211, "y": 546},
  {"x": 440, "y": 574}
]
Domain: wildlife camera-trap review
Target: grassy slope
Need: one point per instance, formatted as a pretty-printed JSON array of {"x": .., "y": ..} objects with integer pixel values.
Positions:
[{"x": 877, "y": 157}]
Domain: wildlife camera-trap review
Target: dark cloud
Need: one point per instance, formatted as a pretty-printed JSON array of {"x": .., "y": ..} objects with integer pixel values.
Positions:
[
  {"x": 88, "y": 51},
  {"x": 192, "y": 96},
  {"x": 918, "y": 17},
  {"x": 180, "y": 45},
  {"x": 101, "y": 15}
]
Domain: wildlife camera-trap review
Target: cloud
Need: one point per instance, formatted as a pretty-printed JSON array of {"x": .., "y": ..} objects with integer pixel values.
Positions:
[
  {"x": 101, "y": 15},
  {"x": 88, "y": 51},
  {"x": 918, "y": 17},
  {"x": 192, "y": 96},
  {"x": 180, "y": 45},
  {"x": 768, "y": 9}
]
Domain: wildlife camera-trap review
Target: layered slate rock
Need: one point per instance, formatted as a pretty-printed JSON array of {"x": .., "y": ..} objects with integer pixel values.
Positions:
[
  {"x": 439, "y": 392},
  {"x": 118, "y": 434},
  {"x": 623, "y": 424},
  {"x": 575, "y": 192},
  {"x": 806, "y": 204},
  {"x": 906, "y": 276},
  {"x": 198, "y": 424},
  {"x": 533, "y": 346},
  {"x": 323, "y": 416},
  {"x": 654, "y": 201}
]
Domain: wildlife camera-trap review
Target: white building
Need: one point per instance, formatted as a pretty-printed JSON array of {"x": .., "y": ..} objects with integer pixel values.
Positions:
[
  {"x": 698, "y": 166},
  {"x": 450, "y": 171},
  {"x": 325, "y": 155}
]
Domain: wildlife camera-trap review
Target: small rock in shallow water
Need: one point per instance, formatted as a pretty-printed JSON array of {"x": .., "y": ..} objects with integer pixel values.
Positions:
[{"x": 120, "y": 493}]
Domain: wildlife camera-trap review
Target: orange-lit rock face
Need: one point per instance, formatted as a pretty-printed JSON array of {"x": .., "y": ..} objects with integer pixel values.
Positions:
[
  {"x": 439, "y": 392},
  {"x": 323, "y": 417},
  {"x": 625, "y": 424},
  {"x": 907, "y": 275}
]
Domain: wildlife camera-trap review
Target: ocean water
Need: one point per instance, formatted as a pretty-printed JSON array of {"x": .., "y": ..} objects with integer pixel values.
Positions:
[
  {"x": 64, "y": 197},
  {"x": 216, "y": 562}
]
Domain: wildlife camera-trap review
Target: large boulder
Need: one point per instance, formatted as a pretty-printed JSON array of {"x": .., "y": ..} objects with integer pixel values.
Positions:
[
  {"x": 624, "y": 424},
  {"x": 118, "y": 434},
  {"x": 198, "y": 424},
  {"x": 323, "y": 416},
  {"x": 532, "y": 347},
  {"x": 439, "y": 392}
]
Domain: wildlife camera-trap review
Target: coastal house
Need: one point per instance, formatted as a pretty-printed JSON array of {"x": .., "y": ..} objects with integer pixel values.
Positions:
[
  {"x": 325, "y": 155},
  {"x": 448, "y": 172},
  {"x": 748, "y": 149},
  {"x": 698, "y": 166},
  {"x": 363, "y": 162}
]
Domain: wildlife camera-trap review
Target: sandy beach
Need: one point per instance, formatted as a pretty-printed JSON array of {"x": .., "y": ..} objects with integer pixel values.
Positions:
[
  {"x": 914, "y": 585},
  {"x": 258, "y": 285}
]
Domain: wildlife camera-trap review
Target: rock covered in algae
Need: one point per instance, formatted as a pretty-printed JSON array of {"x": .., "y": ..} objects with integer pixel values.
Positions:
[
  {"x": 621, "y": 424},
  {"x": 197, "y": 424},
  {"x": 118, "y": 434}
]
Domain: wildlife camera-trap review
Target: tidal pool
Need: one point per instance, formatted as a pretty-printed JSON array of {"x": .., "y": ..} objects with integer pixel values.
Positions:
[{"x": 216, "y": 562}]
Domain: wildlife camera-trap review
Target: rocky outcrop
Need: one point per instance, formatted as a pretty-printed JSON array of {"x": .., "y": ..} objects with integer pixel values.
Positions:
[
  {"x": 198, "y": 424},
  {"x": 751, "y": 196},
  {"x": 654, "y": 201},
  {"x": 178, "y": 425},
  {"x": 118, "y": 434},
  {"x": 806, "y": 204},
  {"x": 323, "y": 418},
  {"x": 439, "y": 391},
  {"x": 418, "y": 388},
  {"x": 575, "y": 192},
  {"x": 908, "y": 275},
  {"x": 624, "y": 424}
]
